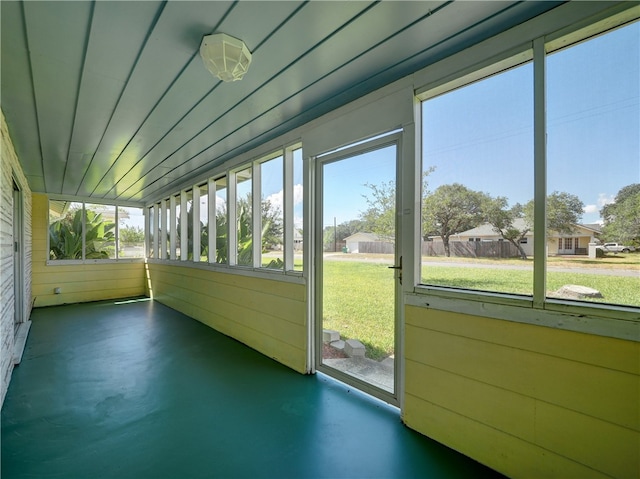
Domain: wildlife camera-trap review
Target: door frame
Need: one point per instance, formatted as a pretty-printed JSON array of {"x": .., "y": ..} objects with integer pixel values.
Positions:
[
  {"x": 18, "y": 259},
  {"x": 394, "y": 138}
]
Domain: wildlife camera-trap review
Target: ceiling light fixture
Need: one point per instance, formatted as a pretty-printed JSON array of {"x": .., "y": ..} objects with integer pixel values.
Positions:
[{"x": 225, "y": 57}]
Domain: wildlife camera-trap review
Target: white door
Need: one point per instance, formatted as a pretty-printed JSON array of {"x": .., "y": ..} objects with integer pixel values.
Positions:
[{"x": 357, "y": 294}]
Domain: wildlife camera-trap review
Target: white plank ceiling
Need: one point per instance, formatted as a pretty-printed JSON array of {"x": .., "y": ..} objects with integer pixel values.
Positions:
[{"x": 111, "y": 101}]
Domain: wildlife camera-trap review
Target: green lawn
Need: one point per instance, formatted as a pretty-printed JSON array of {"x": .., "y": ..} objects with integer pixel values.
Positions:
[
  {"x": 358, "y": 302},
  {"x": 358, "y": 296},
  {"x": 623, "y": 290}
]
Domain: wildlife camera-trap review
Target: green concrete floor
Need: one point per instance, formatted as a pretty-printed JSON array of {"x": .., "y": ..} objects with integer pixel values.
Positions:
[{"x": 137, "y": 390}]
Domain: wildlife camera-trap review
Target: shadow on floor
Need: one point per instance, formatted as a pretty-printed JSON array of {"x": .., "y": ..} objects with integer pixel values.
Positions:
[{"x": 137, "y": 390}]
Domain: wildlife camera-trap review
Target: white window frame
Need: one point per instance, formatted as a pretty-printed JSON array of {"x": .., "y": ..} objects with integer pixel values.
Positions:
[
  {"x": 572, "y": 315},
  {"x": 195, "y": 198},
  {"x": 84, "y": 201},
  {"x": 173, "y": 234},
  {"x": 184, "y": 227},
  {"x": 163, "y": 229},
  {"x": 288, "y": 220}
]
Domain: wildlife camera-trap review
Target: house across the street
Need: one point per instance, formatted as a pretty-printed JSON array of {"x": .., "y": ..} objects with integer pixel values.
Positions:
[
  {"x": 575, "y": 243},
  {"x": 354, "y": 240}
]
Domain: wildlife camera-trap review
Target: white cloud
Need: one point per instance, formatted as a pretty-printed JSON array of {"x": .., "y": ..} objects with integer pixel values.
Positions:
[
  {"x": 221, "y": 202},
  {"x": 591, "y": 209},
  {"x": 297, "y": 194},
  {"x": 604, "y": 199},
  {"x": 277, "y": 199}
]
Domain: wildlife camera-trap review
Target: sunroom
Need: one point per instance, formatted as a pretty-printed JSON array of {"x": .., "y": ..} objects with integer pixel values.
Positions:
[{"x": 133, "y": 176}]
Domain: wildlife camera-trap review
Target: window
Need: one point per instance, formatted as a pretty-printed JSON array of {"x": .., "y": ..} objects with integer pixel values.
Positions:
[
  {"x": 86, "y": 231},
  {"x": 244, "y": 218},
  {"x": 297, "y": 196},
  {"x": 272, "y": 193},
  {"x": 165, "y": 224},
  {"x": 186, "y": 225},
  {"x": 130, "y": 232},
  {"x": 99, "y": 231},
  {"x": 65, "y": 230},
  {"x": 175, "y": 229},
  {"x": 204, "y": 223},
  {"x": 152, "y": 229},
  {"x": 477, "y": 200},
  {"x": 221, "y": 224},
  {"x": 593, "y": 167},
  {"x": 478, "y": 140},
  {"x": 202, "y": 253}
]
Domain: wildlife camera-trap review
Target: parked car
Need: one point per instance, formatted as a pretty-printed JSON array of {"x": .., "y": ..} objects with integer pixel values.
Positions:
[{"x": 616, "y": 248}]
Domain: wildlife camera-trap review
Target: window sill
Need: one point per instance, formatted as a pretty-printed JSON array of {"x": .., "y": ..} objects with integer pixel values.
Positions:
[
  {"x": 599, "y": 319},
  {"x": 76, "y": 262},
  {"x": 263, "y": 273}
]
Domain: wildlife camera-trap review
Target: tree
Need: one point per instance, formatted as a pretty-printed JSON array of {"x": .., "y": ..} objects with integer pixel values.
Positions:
[
  {"x": 380, "y": 215},
  {"x": 272, "y": 231},
  {"x": 332, "y": 236},
  {"x": 131, "y": 234},
  {"x": 272, "y": 226},
  {"x": 452, "y": 209},
  {"x": 622, "y": 217},
  {"x": 564, "y": 211},
  {"x": 513, "y": 224},
  {"x": 65, "y": 236},
  {"x": 504, "y": 220}
]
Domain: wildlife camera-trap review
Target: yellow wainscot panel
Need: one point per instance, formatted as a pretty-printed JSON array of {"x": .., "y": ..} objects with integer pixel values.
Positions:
[
  {"x": 496, "y": 407},
  {"x": 490, "y": 363},
  {"x": 252, "y": 299},
  {"x": 609, "y": 448},
  {"x": 503, "y": 452},
  {"x": 588, "y": 348},
  {"x": 599, "y": 392},
  {"x": 283, "y": 352},
  {"x": 235, "y": 321},
  {"x": 261, "y": 322}
]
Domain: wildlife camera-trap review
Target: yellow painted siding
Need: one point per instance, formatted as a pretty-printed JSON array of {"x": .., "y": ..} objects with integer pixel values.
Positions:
[
  {"x": 78, "y": 282},
  {"x": 526, "y": 400},
  {"x": 267, "y": 315}
]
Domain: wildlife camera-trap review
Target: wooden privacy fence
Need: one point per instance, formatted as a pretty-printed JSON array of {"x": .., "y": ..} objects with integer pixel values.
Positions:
[
  {"x": 375, "y": 247},
  {"x": 472, "y": 249},
  {"x": 465, "y": 249}
]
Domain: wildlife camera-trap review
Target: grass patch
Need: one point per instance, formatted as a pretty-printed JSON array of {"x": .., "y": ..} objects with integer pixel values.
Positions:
[
  {"x": 358, "y": 301},
  {"x": 358, "y": 296}
]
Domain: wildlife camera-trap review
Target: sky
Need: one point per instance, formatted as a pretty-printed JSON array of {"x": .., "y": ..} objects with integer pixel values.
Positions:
[{"x": 481, "y": 135}]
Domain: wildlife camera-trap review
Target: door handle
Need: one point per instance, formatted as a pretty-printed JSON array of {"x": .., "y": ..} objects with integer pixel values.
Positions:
[{"x": 398, "y": 267}]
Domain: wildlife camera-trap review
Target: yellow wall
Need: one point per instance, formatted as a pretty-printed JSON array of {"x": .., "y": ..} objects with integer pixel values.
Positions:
[
  {"x": 528, "y": 401},
  {"x": 78, "y": 282},
  {"x": 267, "y": 315}
]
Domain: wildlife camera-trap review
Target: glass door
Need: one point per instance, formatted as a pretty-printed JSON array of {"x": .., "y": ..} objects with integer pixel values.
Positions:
[{"x": 358, "y": 267}]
